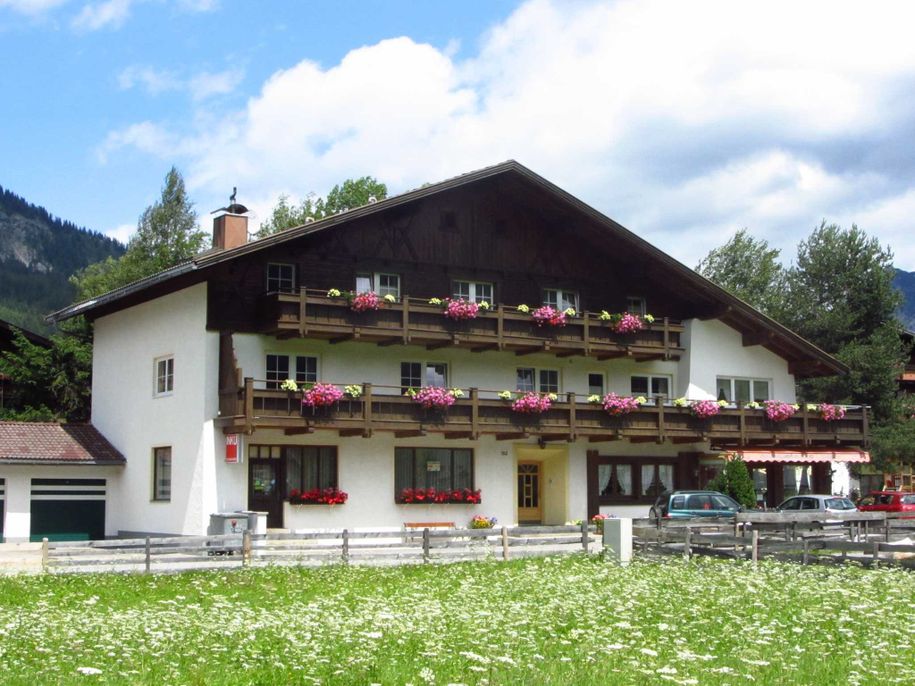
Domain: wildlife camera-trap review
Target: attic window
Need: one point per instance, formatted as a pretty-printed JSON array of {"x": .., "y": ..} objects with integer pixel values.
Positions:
[{"x": 280, "y": 278}]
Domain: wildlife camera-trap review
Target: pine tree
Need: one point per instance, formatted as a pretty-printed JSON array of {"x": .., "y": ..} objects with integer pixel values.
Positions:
[{"x": 734, "y": 480}]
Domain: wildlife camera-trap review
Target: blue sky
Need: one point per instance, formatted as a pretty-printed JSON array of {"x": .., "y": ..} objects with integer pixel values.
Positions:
[{"x": 683, "y": 121}]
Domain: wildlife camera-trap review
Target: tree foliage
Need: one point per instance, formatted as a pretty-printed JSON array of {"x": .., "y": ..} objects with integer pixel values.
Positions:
[
  {"x": 52, "y": 383},
  {"x": 350, "y": 194},
  {"x": 735, "y": 480},
  {"x": 167, "y": 234},
  {"x": 749, "y": 269}
]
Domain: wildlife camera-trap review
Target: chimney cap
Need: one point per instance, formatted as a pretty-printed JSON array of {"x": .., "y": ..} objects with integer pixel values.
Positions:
[{"x": 234, "y": 208}]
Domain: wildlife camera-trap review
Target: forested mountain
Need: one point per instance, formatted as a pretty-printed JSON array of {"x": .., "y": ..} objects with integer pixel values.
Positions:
[
  {"x": 38, "y": 254},
  {"x": 905, "y": 282}
]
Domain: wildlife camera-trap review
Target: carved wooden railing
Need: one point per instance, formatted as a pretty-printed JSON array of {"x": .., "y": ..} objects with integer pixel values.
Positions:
[
  {"x": 312, "y": 314},
  {"x": 383, "y": 408}
]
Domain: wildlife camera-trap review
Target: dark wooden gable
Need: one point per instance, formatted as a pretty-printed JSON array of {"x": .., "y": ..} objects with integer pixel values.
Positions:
[{"x": 500, "y": 230}]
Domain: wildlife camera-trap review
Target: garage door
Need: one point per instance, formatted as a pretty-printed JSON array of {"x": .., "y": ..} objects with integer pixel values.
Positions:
[{"x": 68, "y": 509}]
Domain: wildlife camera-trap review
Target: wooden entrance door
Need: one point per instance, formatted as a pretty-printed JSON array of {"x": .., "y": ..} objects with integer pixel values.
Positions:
[
  {"x": 265, "y": 489},
  {"x": 530, "y": 509}
]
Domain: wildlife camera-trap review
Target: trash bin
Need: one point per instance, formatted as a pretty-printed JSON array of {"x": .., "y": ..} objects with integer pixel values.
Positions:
[
  {"x": 257, "y": 521},
  {"x": 227, "y": 523}
]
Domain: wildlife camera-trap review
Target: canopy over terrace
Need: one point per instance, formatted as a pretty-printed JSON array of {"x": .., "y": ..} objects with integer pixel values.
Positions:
[{"x": 780, "y": 474}]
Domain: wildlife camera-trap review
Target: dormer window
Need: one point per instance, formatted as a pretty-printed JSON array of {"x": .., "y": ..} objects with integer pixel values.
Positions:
[
  {"x": 280, "y": 278},
  {"x": 560, "y": 299},
  {"x": 472, "y": 291},
  {"x": 377, "y": 282},
  {"x": 635, "y": 304}
]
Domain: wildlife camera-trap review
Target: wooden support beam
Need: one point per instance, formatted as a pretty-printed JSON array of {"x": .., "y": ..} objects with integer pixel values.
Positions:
[
  {"x": 458, "y": 434},
  {"x": 407, "y": 433},
  {"x": 604, "y": 438},
  {"x": 343, "y": 433},
  {"x": 344, "y": 338},
  {"x": 512, "y": 436},
  {"x": 298, "y": 430},
  {"x": 527, "y": 351},
  {"x": 642, "y": 439},
  {"x": 678, "y": 440}
]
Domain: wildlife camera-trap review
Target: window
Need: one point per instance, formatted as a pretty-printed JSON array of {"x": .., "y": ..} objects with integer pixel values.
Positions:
[
  {"x": 418, "y": 374},
  {"x": 306, "y": 369},
  {"x": 543, "y": 380},
  {"x": 628, "y": 481},
  {"x": 473, "y": 291},
  {"x": 652, "y": 385},
  {"x": 310, "y": 467},
  {"x": 280, "y": 278},
  {"x": 560, "y": 299},
  {"x": 162, "y": 474},
  {"x": 440, "y": 468},
  {"x": 382, "y": 284},
  {"x": 742, "y": 391},
  {"x": 596, "y": 384},
  {"x": 165, "y": 375},
  {"x": 635, "y": 304},
  {"x": 278, "y": 369}
]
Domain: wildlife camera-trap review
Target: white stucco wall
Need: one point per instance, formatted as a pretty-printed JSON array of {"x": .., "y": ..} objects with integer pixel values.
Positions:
[
  {"x": 126, "y": 410},
  {"x": 714, "y": 349}
]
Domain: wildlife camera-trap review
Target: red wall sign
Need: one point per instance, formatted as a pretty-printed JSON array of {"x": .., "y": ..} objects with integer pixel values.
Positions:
[{"x": 233, "y": 448}]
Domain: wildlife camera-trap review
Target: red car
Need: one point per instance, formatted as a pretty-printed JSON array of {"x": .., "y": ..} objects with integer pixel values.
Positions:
[{"x": 888, "y": 501}]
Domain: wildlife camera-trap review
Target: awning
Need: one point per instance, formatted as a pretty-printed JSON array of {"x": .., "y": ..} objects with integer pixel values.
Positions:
[{"x": 803, "y": 455}]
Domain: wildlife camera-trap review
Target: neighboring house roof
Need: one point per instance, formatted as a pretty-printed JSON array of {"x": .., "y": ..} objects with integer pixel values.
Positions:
[
  {"x": 57, "y": 444},
  {"x": 6, "y": 335},
  {"x": 756, "y": 327}
]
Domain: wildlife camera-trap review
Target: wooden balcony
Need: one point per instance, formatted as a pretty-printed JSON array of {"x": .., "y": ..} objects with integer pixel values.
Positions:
[
  {"x": 384, "y": 409},
  {"x": 412, "y": 321}
]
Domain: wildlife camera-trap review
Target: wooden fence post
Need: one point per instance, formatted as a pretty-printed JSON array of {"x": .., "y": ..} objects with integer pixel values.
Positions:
[
  {"x": 426, "y": 544},
  {"x": 755, "y": 549},
  {"x": 246, "y": 548},
  {"x": 687, "y": 544},
  {"x": 44, "y": 555},
  {"x": 504, "y": 540},
  {"x": 147, "y": 556},
  {"x": 876, "y": 552},
  {"x": 345, "y": 546},
  {"x": 886, "y": 528},
  {"x": 585, "y": 535},
  {"x": 806, "y": 551}
]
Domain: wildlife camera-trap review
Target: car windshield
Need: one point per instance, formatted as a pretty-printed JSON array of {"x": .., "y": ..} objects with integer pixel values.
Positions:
[
  {"x": 883, "y": 499},
  {"x": 722, "y": 502},
  {"x": 839, "y": 504}
]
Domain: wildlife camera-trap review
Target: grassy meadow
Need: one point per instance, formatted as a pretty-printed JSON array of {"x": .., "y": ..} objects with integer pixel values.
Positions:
[{"x": 573, "y": 620}]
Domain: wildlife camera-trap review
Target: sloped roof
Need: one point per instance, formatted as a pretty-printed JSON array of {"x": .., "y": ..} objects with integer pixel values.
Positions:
[
  {"x": 756, "y": 327},
  {"x": 54, "y": 443},
  {"x": 6, "y": 333}
]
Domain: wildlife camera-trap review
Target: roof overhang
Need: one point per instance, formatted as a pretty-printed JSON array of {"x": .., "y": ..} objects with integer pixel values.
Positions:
[{"x": 801, "y": 456}]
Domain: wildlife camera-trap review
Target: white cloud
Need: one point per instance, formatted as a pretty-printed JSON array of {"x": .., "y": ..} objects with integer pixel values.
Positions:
[
  {"x": 122, "y": 232},
  {"x": 110, "y": 14},
  {"x": 155, "y": 81},
  {"x": 208, "y": 84},
  {"x": 684, "y": 121},
  {"x": 200, "y": 86},
  {"x": 146, "y": 136}
]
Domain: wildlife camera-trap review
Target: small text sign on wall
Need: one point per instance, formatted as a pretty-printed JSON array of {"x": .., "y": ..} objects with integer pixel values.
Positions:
[{"x": 233, "y": 448}]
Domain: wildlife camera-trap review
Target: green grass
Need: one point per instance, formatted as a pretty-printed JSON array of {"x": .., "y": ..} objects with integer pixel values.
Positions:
[{"x": 571, "y": 621}]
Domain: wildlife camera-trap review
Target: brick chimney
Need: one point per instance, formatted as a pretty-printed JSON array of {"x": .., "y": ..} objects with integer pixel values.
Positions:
[{"x": 230, "y": 229}]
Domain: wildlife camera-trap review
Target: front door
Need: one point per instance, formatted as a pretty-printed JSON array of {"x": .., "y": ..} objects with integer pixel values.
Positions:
[
  {"x": 265, "y": 489},
  {"x": 529, "y": 492}
]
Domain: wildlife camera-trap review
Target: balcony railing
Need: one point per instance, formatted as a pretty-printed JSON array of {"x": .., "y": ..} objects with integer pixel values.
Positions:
[
  {"x": 311, "y": 314},
  {"x": 384, "y": 409}
]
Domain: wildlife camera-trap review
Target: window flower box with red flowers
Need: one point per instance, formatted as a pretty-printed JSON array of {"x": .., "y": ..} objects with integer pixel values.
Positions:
[
  {"x": 618, "y": 405},
  {"x": 705, "y": 409},
  {"x": 318, "y": 496},
  {"x": 414, "y": 496},
  {"x": 321, "y": 395},
  {"x": 828, "y": 412}
]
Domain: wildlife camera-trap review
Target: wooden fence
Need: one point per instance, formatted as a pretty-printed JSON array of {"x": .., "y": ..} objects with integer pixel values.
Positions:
[
  {"x": 170, "y": 554},
  {"x": 810, "y": 538}
]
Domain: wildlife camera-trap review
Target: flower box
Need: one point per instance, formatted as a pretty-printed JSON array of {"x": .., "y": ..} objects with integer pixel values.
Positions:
[
  {"x": 434, "y": 397},
  {"x": 777, "y": 411},
  {"x": 318, "y": 496},
  {"x": 617, "y": 405},
  {"x": 532, "y": 403},
  {"x": 321, "y": 395},
  {"x": 413, "y": 496}
]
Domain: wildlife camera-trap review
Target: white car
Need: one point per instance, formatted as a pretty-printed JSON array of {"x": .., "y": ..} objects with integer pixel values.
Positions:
[{"x": 817, "y": 503}]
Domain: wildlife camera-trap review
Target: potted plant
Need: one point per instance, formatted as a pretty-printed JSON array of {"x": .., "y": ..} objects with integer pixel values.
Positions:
[
  {"x": 435, "y": 397},
  {"x": 533, "y": 402},
  {"x": 318, "y": 496},
  {"x": 777, "y": 411},
  {"x": 321, "y": 395}
]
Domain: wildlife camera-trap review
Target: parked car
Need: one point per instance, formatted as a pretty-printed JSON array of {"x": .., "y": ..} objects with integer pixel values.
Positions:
[
  {"x": 887, "y": 501},
  {"x": 682, "y": 504},
  {"x": 817, "y": 503}
]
